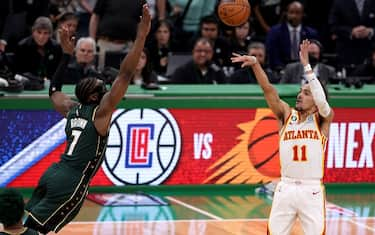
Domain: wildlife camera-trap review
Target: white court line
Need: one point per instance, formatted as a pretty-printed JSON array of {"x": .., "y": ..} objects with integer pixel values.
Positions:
[
  {"x": 362, "y": 225},
  {"x": 201, "y": 220},
  {"x": 194, "y": 208},
  {"x": 163, "y": 221}
]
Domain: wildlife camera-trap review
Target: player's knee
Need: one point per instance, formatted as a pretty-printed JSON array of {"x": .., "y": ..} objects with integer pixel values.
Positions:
[{"x": 31, "y": 223}]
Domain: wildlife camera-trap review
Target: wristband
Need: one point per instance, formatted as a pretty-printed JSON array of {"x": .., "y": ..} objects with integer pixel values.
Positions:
[{"x": 307, "y": 68}]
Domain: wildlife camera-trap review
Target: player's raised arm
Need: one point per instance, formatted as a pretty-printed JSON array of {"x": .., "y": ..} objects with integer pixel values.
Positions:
[
  {"x": 278, "y": 106},
  {"x": 127, "y": 67},
  {"x": 61, "y": 102},
  {"x": 320, "y": 99}
]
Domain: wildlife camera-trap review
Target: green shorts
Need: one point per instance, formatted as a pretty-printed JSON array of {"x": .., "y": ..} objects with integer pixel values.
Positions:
[{"x": 57, "y": 199}]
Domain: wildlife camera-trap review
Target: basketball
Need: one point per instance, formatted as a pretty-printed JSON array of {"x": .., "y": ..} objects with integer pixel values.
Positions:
[
  {"x": 263, "y": 147},
  {"x": 234, "y": 12}
]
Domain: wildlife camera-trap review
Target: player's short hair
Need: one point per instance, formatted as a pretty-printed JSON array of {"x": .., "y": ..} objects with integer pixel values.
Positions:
[{"x": 11, "y": 207}]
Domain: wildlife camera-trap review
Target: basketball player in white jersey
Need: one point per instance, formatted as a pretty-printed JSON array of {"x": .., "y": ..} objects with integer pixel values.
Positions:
[{"x": 303, "y": 131}]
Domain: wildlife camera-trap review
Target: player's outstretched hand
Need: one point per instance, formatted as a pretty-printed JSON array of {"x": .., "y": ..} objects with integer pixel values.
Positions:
[
  {"x": 67, "y": 40},
  {"x": 304, "y": 52},
  {"x": 145, "y": 23},
  {"x": 246, "y": 60}
]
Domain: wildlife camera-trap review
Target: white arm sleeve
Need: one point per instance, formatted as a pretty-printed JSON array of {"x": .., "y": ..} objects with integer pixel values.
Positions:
[{"x": 318, "y": 95}]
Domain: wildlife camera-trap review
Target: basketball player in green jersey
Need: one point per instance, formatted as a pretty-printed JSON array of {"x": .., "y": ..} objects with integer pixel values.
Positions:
[{"x": 63, "y": 187}]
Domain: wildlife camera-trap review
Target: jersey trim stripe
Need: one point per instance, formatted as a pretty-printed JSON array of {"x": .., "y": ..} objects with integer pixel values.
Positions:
[
  {"x": 285, "y": 124},
  {"x": 94, "y": 113},
  {"x": 324, "y": 209},
  {"x": 57, "y": 227}
]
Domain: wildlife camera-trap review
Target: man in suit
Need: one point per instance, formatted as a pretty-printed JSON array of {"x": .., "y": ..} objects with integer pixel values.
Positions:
[
  {"x": 352, "y": 25},
  {"x": 283, "y": 39},
  {"x": 294, "y": 72}
]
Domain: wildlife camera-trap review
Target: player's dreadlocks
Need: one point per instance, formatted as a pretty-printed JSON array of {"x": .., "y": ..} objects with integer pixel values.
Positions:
[
  {"x": 87, "y": 87},
  {"x": 11, "y": 207}
]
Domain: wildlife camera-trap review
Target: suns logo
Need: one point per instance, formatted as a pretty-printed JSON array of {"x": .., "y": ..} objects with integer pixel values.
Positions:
[
  {"x": 144, "y": 146},
  {"x": 255, "y": 159}
]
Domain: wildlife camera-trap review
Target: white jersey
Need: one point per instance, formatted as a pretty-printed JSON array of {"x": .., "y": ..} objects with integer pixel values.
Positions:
[{"x": 302, "y": 147}]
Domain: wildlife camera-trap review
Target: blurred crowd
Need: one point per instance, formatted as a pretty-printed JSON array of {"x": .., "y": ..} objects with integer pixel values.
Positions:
[{"x": 188, "y": 44}]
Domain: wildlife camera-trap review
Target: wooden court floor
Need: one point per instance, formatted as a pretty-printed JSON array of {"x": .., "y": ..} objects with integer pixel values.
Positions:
[
  {"x": 218, "y": 210},
  {"x": 349, "y": 212},
  {"x": 214, "y": 227}
]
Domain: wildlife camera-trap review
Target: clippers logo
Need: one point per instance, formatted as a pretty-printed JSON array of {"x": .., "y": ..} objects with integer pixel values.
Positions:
[
  {"x": 144, "y": 146},
  {"x": 139, "y": 136}
]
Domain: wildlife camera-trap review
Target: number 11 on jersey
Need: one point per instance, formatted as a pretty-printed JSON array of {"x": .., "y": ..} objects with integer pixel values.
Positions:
[{"x": 299, "y": 153}]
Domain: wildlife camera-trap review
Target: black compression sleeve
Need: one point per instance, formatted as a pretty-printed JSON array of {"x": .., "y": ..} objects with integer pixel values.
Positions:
[{"x": 57, "y": 79}]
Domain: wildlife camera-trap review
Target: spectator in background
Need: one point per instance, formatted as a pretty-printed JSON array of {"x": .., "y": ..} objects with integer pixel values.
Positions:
[
  {"x": 195, "y": 12},
  {"x": 241, "y": 38},
  {"x": 283, "y": 39},
  {"x": 114, "y": 25},
  {"x": 144, "y": 76},
  {"x": 239, "y": 43},
  {"x": 83, "y": 12},
  {"x": 68, "y": 20},
  {"x": 209, "y": 29},
  {"x": 160, "y": 46},
  {"x": 200, "y": 70},
  {"x": 294, "y": 72},
  {"x": 244, "y": 75},
  {"x": 352, "y": 25},
  {"x": 266, "y": 13},
  {"x": 83, "y": 63},
  {"x": 367, "y": 69},
  {"x": 38, "y": 54},
  {"x": 11, "y": 212},
  {"x": 57, "y": 8},
  {"x": 16, "y": 19},
  {"x": 158, "y": 9},
  {"x": 316, "y": 16}
]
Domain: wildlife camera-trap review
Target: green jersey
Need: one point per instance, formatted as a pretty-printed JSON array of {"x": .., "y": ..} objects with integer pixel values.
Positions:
[{"x": 85, "y": 147}]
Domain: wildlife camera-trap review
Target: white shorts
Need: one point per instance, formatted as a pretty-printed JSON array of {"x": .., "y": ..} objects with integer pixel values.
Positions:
[{"x": 302, "y": 199}]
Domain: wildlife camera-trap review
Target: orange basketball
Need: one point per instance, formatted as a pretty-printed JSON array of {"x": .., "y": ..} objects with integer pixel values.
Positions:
[
  {"x": 234, "y": 12},
  {"x": 263, "y": 147}
]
